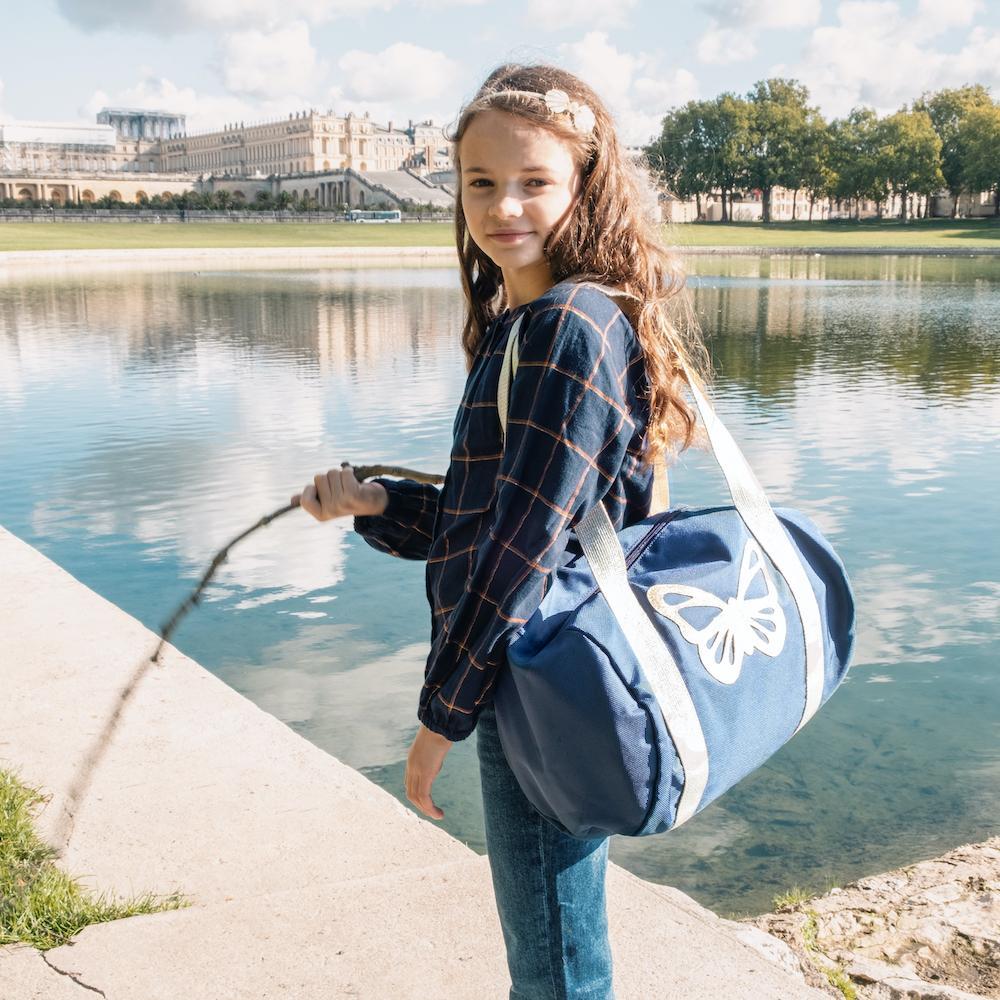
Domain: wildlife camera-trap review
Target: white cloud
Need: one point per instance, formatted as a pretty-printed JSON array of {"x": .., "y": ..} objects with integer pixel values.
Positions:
[
  {"x": 720, "y": 46},
  {"x": 731, "y": 35},
  {"x": 274, "y": 63},
  {"x": 635, "y": 88},
  {"x": 560, "y": 14},
  {"x": 979, "y": 59},
  {"x": 423, "y": 80},
  {"x": 881, "y": 56},
  {"x": 180, "y": 16},
  {"x": 956, "y": 13},
  {"x": 765, "y": 13}
]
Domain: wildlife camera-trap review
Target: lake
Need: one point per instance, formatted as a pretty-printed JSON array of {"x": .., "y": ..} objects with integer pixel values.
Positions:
[{"x": 147, "y": 417}]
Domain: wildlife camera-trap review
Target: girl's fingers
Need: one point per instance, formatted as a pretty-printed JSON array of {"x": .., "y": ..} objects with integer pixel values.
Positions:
[
  {"x": 322, "y": 483},
  {"x": 348, "y": 484},
  {"x": 418, "y": 791},
  {"x": 331, "y": 494},
  {"x": 309, "y": 502}
]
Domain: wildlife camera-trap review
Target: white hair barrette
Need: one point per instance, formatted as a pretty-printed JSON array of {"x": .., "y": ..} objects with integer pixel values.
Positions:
[{"x": 558, "y": 102}]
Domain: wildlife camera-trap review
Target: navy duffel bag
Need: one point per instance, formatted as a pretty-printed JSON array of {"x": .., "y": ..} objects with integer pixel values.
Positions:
[{"x": 672, "y": 658}]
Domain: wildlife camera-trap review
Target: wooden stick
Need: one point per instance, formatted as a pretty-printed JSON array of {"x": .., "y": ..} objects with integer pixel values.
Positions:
[
  {"x": 64, "y": 827},
  {"x": 361, "y": 473}
]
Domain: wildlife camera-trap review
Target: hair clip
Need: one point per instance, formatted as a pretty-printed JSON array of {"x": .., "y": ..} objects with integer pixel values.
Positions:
[{"x": 558, "y": 102}]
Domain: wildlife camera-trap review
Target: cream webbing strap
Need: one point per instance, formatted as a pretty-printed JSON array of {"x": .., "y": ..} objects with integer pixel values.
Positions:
[{"x": 752, "y": 504}]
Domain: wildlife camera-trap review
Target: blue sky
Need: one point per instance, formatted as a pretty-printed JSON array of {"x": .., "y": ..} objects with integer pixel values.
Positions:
[{"x": 219, "y": 61}]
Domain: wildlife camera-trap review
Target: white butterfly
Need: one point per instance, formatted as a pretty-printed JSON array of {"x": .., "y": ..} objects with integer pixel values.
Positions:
[{"x": 743, "y": 625}]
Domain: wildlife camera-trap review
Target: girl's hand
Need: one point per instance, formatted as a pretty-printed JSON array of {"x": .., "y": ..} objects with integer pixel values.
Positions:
[
  {"x": 423, "y": 763},
  {"x": 338, "y": 493}
]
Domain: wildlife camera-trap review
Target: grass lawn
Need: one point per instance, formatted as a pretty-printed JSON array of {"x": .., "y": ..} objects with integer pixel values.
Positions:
[
  {"x": 931, "y": 233},
  {"x": 40, "y": 904},
  {"x": 143, "y": 235}
]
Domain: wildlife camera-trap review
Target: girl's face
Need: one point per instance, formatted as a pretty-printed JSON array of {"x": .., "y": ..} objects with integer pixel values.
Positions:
[{"x": 517, "y": 182}]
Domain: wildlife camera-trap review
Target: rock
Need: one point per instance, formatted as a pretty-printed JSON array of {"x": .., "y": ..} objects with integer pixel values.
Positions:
[{"x": 930, "y": 931}]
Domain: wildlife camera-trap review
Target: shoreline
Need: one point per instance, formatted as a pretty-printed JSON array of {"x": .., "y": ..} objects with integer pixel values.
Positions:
[
  {"x": 253, "y": 257},
  {"x": 239, "y": 257}
]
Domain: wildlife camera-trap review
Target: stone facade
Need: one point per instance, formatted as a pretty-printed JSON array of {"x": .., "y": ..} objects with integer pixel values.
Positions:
[
  {"x": 85, "y": 188},
  {"x": 307, "y": 142},
  {"x": 311, "y": 154}
]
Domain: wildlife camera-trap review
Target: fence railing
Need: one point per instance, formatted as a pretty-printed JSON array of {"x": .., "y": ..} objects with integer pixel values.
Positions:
[{"x": 155, "y": 216}]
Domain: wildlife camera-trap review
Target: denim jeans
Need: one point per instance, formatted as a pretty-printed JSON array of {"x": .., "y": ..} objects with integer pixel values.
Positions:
[{"x": 549, "y": 888}]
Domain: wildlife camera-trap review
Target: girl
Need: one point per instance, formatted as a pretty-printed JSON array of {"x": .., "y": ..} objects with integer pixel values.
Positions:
[{"x": 551, "y": 229}]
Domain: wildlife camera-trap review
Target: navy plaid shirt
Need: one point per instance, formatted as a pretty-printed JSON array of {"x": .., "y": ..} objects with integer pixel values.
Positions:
[{"x": 500, "y": 523}]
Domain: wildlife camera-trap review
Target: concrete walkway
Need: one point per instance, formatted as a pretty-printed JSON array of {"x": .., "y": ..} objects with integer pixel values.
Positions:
[{"x": 308, "y": 881}]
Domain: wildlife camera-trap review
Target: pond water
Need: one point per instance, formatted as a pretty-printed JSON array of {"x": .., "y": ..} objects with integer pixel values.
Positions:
[{"x": 146, "y": 417}]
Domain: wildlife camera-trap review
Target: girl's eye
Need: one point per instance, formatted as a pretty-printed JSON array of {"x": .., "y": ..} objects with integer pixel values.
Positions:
[{"x": 482, "y": 181}]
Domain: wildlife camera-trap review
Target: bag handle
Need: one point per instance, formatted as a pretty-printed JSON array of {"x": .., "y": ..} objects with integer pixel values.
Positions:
[{"x": 601, "y": 546}]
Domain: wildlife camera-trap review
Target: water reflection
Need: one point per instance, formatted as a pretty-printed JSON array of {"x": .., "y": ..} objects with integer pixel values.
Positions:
[{"x": 146, "y": 418}]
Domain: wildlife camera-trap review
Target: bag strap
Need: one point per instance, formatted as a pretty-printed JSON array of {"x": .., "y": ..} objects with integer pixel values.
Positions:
[
  {"x": 603, "y": 550},
  {"x": 661, "y": 484}
]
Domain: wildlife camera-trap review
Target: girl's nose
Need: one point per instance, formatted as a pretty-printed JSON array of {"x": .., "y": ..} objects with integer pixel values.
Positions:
[{"x": 506, "y": 207}]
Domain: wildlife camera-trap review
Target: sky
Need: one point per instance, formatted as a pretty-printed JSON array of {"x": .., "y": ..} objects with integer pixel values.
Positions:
[{"x": 223, "y": 61}]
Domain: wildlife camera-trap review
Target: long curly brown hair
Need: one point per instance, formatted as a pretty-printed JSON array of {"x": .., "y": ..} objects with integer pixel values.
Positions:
[{"x": 607, "y": 236}]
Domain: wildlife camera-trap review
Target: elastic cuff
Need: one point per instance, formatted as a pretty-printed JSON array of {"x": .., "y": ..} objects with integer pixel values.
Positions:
[{"x": 426, "y": 716}]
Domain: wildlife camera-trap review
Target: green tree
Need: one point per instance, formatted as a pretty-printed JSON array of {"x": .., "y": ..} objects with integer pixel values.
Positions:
[
  {"x": 812, "y": 169},
  {"x": 911, "y": 155},
  {"x": 948, "y": 110},
  {"x": 701, "y": 149},
  {"x": 855, "y": 160},
  {"x": 981, "y": 144},
  {"x": 678, "y": 155},
  {"x": 727, "y": 131},
  {"x": 778, "y": 114}
]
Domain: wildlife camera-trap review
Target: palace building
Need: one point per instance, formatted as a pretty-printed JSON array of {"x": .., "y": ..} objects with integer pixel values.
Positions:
[{"x": 334, "y": 159}]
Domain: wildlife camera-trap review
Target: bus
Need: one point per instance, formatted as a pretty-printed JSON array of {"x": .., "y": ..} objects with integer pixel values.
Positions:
[{"x": 375, "y": 215}]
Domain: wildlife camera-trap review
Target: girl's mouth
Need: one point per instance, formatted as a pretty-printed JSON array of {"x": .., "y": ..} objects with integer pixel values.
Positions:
[{"x": 509, "y": 237}]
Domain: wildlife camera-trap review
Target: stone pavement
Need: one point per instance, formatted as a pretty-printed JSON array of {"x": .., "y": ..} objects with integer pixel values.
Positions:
[{"x": 307, "y": 880}]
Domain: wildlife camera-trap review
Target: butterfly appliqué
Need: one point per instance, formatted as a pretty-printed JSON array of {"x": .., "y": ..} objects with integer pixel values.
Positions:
[{"x": 742, "y": 625}]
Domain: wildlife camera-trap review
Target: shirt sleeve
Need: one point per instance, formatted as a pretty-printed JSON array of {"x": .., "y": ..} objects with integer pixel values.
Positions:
[
  {"x": 568, "y": 432},
  {"x": 406, "y": 527}
]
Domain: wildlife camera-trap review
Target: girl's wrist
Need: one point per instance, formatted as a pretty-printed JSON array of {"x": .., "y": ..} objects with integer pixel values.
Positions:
[
  {"x": 433, "y": 737},
  {"x": 379, "y": 499}
]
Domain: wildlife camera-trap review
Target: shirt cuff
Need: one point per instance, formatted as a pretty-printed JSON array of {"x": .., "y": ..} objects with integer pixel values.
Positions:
[{"x": 453, "y": 725}]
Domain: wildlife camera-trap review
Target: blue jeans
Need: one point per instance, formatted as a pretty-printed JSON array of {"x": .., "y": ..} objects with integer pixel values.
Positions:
[{"x": 549, "y": 888}]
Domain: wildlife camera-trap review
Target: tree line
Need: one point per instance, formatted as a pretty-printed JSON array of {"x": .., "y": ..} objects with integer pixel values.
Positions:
[
  {"x": 211, "y": 201},
  {"x": 945, "y": 140}
]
